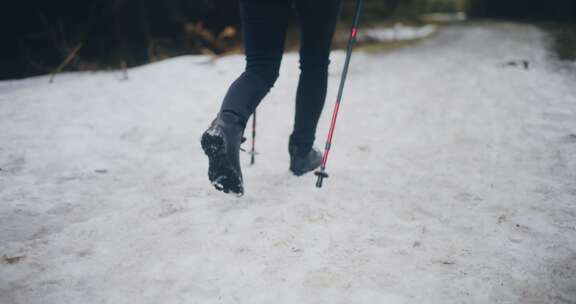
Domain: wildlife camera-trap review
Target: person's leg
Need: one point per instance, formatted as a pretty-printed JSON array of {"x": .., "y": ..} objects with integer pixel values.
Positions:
[
  {"x": 318, "y": 21},
  {"x": 264, "y": 27},
  {"x": 264, "y": 23}
]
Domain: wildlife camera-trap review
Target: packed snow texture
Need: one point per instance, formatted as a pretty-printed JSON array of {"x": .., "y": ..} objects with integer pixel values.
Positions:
[{"x": 452, "y": 180}]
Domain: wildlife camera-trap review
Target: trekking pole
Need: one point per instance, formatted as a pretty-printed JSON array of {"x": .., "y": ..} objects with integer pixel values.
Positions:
[
  {"x": 253, "y": 150},
  {"x": 351, "y": 40}
]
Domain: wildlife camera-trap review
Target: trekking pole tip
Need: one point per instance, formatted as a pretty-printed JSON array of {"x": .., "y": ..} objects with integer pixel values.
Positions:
[
  {"x": 319, "y": 182},
  {"x": 321, "y": 175}
]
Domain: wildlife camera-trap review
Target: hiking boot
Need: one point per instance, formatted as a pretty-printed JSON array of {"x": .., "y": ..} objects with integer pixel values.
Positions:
[
  {"x": 221, "y": 143},
  {"x": 304, "y": 160}
]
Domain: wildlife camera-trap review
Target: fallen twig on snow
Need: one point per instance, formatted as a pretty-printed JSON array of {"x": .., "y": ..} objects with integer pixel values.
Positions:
[{"x": 66, "y": 61}]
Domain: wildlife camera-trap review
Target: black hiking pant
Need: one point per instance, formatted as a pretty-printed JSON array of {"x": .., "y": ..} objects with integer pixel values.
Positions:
[{"x": 264, "y": 27}]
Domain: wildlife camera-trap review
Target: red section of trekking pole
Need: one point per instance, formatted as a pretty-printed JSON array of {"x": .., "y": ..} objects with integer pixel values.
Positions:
[{"x": 351, "y": 40}]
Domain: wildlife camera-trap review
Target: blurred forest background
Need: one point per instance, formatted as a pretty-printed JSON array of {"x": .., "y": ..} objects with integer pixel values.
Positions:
[{"x": 44, "y": 36}]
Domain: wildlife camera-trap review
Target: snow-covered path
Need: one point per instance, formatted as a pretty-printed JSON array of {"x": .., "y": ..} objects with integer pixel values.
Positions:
[{"x": 453, "y": 180}]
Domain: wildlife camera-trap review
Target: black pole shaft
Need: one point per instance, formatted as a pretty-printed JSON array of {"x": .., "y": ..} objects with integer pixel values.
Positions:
[
  {"x": 253, "y": 150},
  {"x": 351, "y": 41}
]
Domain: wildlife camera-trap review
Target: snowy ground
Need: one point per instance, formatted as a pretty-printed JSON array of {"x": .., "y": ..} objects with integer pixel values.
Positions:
[
  {"x": 453, "y": 180},
  {"x": 398, "y": 32}
]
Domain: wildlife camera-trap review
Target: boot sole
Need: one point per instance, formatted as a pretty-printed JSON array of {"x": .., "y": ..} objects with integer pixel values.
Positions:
[
  {"x": 220, "y": 171},
  {"x": 302, "y": 172}
]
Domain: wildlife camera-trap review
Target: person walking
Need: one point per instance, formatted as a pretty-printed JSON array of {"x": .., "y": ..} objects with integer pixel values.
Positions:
[{"x": 265, "y": 23}]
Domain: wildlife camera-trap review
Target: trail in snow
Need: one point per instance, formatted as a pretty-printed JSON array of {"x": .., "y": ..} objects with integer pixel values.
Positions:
[{"x": 453, "y": 180}]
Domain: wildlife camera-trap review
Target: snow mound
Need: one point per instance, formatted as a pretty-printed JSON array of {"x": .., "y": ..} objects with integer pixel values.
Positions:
[{"x": 398, "y": 32}]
